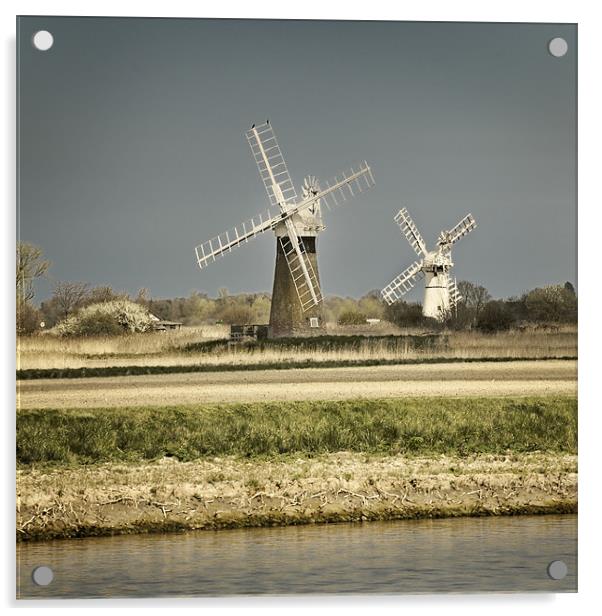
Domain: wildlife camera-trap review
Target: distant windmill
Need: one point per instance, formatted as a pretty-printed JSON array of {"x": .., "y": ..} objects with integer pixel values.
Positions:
[
  {"x": 296, "y": 296},
  {"x": 441, "y": 293}
]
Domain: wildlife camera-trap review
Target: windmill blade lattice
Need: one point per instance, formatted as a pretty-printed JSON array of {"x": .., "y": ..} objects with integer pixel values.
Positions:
[
  {"x": 409, "y": 229},
  {"x": 464, "y": 227},
  {"x": 454, "y": 294},
  {"x": 301, "y": 270},
  {"x": 403, "y": 283},
  {"x": 337, "y": 191},
  {"x": 272, "y": 167},
  {"x": 218, "y": 246}
]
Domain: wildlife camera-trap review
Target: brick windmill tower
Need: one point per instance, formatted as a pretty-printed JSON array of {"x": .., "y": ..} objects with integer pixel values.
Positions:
[{"x": 296, "y": 297}]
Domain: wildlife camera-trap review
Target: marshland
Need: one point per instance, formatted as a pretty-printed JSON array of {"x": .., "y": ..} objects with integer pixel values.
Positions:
[
  {"x": 153, "y": 431},
  {"x": 209, "y": 346}
]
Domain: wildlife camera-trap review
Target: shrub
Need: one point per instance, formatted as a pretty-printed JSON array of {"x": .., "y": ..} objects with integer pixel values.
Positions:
[
  {"x": 116, "y": 317},
  {"x": 237, "y": 315},
  {"x": 495, "y": 316},
  {"x": 555, "y": 303},
  {"x": 404, "y": 314},
  {"x": 28, "y": 318},
  {"x": 98, "y": 324},
  {"x": 352, "y": 317}
]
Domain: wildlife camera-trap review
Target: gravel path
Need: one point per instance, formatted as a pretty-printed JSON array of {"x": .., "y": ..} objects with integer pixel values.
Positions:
[{"x": 471, "y": 379}]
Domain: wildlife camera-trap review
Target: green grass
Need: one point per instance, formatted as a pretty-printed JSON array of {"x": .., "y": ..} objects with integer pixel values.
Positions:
[
  {"x": 107, "y": 371},
  {"x": 416, "y": 426}
]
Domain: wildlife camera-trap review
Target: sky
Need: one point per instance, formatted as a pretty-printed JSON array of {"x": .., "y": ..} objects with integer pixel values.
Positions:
[{"x": 131, "y": 147}]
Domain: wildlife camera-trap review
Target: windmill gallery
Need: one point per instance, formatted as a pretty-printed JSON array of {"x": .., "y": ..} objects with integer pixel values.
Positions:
[{"x": 297, "y": 297}]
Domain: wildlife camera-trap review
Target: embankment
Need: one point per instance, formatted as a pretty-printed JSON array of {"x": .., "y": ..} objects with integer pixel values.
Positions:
[{"x": 122, "y": 470}]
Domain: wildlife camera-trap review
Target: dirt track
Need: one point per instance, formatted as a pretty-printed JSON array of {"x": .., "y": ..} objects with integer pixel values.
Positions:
[{"x": 470, "y": 379}]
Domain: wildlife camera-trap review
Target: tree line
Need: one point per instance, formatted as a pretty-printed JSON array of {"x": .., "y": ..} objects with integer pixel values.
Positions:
[{"x": 476, "y": 310}]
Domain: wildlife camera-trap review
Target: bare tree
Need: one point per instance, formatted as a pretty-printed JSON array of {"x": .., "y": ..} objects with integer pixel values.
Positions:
[
  {"x": 69, "y": 296},
  {"x": 474, "y": 296},
  {"x": 103, "y": 294},
  {"x": 144, "y": 297},
  {"x": 31, "y": 265}
]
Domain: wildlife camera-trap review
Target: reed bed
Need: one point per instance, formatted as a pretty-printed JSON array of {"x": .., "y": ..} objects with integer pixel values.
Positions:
[{"x": 172, "y": 349}]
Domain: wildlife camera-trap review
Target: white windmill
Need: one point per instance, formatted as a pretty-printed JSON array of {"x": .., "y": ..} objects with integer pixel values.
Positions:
[
  {"x": 296, "y": 297},
  {"x": 440, "y": 293}
]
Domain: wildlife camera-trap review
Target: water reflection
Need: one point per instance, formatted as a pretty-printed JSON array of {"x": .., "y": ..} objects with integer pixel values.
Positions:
[{"x": 424, "y": 556}]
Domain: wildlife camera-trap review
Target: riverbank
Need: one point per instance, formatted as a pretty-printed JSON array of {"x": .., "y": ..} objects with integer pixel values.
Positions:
[{"x": 231, "y": 492}]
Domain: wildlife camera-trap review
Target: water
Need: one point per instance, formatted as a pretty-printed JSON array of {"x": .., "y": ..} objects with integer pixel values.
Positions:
[{"x": 505, "y": 554}]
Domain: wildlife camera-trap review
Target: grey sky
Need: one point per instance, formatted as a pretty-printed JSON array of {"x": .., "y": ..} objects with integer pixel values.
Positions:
[{"x": 132, "y": 148}]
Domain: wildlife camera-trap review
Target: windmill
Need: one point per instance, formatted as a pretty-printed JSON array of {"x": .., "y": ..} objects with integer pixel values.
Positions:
[
  {"x": 296, "y": 296},
  {"x": 440, "y": 291}
]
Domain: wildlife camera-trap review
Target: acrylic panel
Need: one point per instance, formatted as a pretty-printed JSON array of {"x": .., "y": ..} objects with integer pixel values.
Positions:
[{"x": 393, "y": 413}]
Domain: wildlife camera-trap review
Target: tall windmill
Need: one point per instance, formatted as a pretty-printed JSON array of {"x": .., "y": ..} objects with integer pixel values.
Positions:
[
  {"x": 440, "y": 291},
  {"x": 296, "y": 296}
]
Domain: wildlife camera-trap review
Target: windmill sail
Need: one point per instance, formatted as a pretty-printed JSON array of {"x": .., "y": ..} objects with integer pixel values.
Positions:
[
  {"x": 464, "y": 227},
  {"x": 399, "y": 286},
  {"x": 212, "y": 249},
  {"x": 272, "y": 168},
  {"x": 454, "y": 294},
  {"x": 336, "y": 192},
  {"x": 409, "y": 229},
  {"x": 342, "y": 187},
  {"x": 302, "y": 272}
]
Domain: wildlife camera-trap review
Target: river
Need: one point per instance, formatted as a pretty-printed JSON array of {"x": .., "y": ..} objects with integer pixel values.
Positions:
[{"x": 489, "y": 554}]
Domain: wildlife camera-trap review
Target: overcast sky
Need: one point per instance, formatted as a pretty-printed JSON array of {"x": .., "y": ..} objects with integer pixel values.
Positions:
[{"x": 132, "y": 149}]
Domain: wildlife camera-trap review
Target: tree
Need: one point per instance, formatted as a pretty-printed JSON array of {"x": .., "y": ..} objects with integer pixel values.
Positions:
[
  {"x": 495, "y": 316},
  {"x": 553, "y": 303},
  {"x": 474, "y": 297},
  {"x": 372, "y": 305},
  {"x": 31, "y": 265},
  {"x": 569, "y": 287},
  {"x": 28, "y": 318},
  {"x": 143, "y": 297},
  {"x": 103, "y": 294},
  {"x": 69, "y": 296}
]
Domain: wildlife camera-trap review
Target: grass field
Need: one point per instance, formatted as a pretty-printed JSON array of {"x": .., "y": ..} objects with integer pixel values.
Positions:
[
  {"x": 173, "y": 349},
  {"x": 419, "y": 426}
]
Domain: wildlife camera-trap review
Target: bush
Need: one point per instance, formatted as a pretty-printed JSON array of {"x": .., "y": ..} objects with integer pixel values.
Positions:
[
  {"x": 98, "y": 325},
  {"x": 352, "y": 317},
  {"x": 554, "y": 303},
  {"x": 108, "y": 318},
  {"x": 237, "y": 315},
  {"x": 404, "y": 314},
  {"x": 28, "y": 318},
  {"x": 494, "y": 317}
]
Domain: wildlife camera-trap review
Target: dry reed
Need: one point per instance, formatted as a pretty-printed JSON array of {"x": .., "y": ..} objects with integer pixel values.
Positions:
[{"x": 167, "y": 349}]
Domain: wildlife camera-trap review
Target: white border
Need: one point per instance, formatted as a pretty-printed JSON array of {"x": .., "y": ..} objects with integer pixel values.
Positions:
[{"x": 590, "y": 137}]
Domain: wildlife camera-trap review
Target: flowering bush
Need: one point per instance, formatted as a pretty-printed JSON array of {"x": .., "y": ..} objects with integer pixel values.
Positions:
[{"x": 107, "y": 318}]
